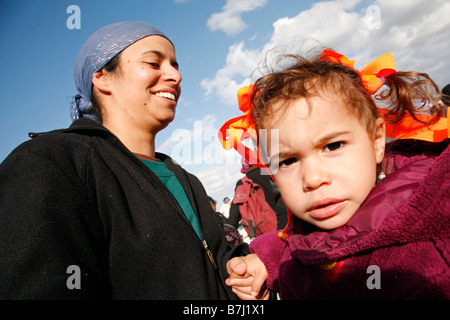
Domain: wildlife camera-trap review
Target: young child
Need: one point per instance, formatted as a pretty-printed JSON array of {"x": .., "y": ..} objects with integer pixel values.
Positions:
[{"x": 350, "y": 235}]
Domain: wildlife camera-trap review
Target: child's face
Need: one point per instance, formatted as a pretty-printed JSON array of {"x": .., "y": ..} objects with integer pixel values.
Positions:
[{"x": 327, "y": 160}]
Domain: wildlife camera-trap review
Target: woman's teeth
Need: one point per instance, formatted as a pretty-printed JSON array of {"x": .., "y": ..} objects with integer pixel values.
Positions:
[{"x": 167, "y": 95}]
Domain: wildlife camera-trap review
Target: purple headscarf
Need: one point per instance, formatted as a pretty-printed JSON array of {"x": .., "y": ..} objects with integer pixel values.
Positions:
[{"x": 97, "y": 51}]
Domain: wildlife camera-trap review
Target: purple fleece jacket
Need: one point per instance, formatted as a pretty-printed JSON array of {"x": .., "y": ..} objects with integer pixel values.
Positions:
[{"x": 396, "y": 246}]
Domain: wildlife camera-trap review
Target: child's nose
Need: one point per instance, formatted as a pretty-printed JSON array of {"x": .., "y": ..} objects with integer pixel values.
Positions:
[{"x": 314, "y": 175}]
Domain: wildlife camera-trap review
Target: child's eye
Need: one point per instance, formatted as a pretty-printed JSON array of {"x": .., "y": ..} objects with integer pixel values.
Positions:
[
  {"x": 287, "y": 162},
  {"x": 333, "y": 146}
]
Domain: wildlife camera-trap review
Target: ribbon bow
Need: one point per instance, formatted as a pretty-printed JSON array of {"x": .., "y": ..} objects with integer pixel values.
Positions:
[
  {"x": 372, "y": 75},
  {"x": 240, "y": 132},
  {"x": 373, "y": 78}
]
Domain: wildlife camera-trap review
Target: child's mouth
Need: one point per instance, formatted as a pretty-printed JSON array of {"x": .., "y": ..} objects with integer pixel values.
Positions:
[{"x": 326, "y": 208}]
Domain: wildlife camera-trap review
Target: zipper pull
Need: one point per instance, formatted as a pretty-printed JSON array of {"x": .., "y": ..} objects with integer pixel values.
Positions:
[{"x": 209, "y": 253}]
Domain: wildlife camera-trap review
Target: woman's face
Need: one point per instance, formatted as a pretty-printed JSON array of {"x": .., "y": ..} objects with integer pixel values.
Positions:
[
  {"x": 144, "y": 90},
  {"x": 327, "y": 161}
]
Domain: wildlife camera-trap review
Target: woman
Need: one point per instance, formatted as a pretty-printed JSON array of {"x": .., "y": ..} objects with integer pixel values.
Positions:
[{"x": 97, "y": 198}]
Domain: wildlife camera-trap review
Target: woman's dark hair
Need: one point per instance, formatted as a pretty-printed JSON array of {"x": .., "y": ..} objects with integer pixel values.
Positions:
[{"x": 111, "y": 66}]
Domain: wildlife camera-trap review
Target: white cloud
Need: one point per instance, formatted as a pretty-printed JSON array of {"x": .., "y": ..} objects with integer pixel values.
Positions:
[
  {"x": 229, "y": 19},
  {"x": 412, "y": 30},
  {"x": 240, "y": 63},
  {"x": 324, "y": 21}
]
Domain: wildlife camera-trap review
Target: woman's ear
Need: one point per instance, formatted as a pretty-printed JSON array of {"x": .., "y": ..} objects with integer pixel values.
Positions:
[
  {"x": 102, "y": 81},
  {"x": 380, "y": 139}
]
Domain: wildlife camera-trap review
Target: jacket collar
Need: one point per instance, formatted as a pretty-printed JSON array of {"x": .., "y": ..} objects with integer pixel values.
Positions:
[{"x": 80, "y": 126}]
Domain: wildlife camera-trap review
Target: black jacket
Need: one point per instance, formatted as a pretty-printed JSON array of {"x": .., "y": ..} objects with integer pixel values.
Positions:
[{"x": 79, "y": 197}]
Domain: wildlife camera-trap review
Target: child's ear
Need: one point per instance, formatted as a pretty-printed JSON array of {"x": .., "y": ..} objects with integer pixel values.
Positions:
[
  {"x": 102, "y": 81},
  {"x": 380, "y": 139}
]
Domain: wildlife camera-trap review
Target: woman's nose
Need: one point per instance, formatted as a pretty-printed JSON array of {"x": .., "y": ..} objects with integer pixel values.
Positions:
[{"x": 170, "y": 73}]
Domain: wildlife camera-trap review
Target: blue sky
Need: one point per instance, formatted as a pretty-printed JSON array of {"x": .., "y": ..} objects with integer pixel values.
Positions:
[{"x": 218, "y": 44}]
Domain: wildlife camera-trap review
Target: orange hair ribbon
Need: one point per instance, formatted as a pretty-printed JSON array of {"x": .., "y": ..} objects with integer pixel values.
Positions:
[
  {"x": 236, "y": 132},
  {"x": 408, "y": 128},
  {"x": 372, "y": 74}
]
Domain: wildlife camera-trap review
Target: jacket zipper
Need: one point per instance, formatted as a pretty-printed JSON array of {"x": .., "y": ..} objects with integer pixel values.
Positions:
[{"x": 208, "y": 252}]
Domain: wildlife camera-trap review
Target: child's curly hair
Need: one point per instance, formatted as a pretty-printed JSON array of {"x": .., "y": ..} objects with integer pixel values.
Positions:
[{"x": 404, "y": 92}]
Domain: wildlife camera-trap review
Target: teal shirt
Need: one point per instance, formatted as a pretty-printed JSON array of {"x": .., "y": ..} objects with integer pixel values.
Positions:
[{"x": 169, "y": 179}]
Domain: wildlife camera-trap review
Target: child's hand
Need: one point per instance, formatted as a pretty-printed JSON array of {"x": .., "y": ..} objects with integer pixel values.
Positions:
[{"x": 247, "y": 277}]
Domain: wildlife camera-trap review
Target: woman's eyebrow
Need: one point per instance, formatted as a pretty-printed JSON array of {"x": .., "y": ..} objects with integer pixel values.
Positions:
[{"x": 158, "y": 53}]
